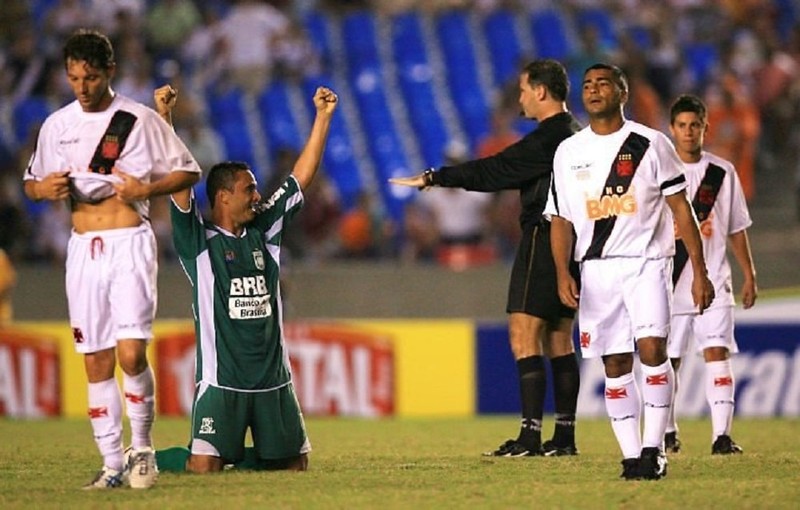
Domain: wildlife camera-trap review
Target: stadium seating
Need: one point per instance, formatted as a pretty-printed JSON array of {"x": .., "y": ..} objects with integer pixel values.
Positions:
[
  {"x": 504, "y": 46},
  {"x": 457, "y": 44},
  {"x": 415, "y": 77}
]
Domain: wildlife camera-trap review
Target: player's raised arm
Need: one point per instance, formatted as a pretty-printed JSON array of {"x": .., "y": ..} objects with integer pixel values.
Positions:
[{"x": 325, "y": 101}]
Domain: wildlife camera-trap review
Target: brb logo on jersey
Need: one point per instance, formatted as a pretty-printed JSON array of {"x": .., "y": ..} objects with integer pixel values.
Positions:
[
  {"x": 614, "y": 202},
  {"x": 249, "y": 298}
]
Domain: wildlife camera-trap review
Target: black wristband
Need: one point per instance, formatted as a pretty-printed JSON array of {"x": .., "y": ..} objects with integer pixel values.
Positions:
[{"x": 427, "y": 178}]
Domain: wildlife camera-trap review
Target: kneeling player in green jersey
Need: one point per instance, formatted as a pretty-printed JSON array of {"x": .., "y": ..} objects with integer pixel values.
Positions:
[{"x": 242, "y": 377}]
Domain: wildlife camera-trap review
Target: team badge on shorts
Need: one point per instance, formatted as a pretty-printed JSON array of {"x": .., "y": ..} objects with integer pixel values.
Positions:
[{"x": 258, "y": 258}]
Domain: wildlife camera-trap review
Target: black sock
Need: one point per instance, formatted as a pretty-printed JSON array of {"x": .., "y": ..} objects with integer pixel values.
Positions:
[
  {"x": 566, "y": 384},
  {"x": 532, "y": 386}
]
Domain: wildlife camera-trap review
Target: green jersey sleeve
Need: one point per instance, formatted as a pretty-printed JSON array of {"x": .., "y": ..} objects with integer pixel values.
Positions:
[
  {"x": 188, "y": 230},
  {"x": 279, "y": 209}
]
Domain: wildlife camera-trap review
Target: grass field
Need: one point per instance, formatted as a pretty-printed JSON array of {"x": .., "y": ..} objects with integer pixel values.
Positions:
[{"x": 425, "y": 463}]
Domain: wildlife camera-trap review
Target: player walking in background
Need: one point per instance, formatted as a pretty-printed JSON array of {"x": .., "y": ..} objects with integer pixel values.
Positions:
[
  {"x": 539, "y": 325},
  {"x": 243, "y": 379},
  {"x": 107, "y": 155},
  {"x": 719, "y": 202},
  {"x": 615, "y": 182}
]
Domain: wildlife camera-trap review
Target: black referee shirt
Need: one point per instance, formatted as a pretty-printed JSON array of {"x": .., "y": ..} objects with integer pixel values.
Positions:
[{"x": 526, "y": 165}]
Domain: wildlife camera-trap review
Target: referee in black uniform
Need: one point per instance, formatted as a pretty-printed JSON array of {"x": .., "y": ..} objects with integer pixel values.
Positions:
[{"x": 539, "y": 324}]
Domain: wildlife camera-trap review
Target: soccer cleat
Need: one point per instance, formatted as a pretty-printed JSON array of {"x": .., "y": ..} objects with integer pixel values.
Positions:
[
  {"x": 671, "y": 442},
  {"x": 724, "y": 445},
  {"x": 551, "y": 449},
  {"x": 140, "y": 467},
  {"x": 513, "y": 448},
  {"x": 630, "y": 469},
  {"x": 652, "y": 464},
  {"x": 106, "y": 478}
]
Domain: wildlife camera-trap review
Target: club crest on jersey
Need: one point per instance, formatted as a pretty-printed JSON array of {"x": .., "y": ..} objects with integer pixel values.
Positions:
[
  {"x": 624, "y": 165},
  {"x": 229, "y": 256},
  {"x": 258, "y": 258},
  {"x": 110, "y": 147},
  {"x": 706, "y": 195}
]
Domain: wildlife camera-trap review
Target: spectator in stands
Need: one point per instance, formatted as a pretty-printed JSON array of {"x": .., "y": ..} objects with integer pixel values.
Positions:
[
  {"x": 168, "y": 24},
  {"x": 461, "y": 216},
  {"x": 249, "y": 31},
  {"x": 733, "y": 129}
]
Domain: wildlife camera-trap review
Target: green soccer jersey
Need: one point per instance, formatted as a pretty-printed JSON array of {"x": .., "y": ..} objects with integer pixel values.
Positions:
[{"x": 237, "y": 302}]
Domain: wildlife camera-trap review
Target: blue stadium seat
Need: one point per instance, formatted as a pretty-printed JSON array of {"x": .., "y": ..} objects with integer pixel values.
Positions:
[
  {"x": 549, "y": 31},
  {"x": 504, "y": 46},
  {"x": 415, "y": 77},
  {"x": 339, "y": 159},
  {"x": 29, "y": 115},
  {"x": 366, "y": 73},
  {"x": 462, "y": 74},
  {"x": 702, "y": 58},
  {"x": 317, "y": 27},
  {"x": 277, "y": 118},
  {"x": 601, "y": 20}
]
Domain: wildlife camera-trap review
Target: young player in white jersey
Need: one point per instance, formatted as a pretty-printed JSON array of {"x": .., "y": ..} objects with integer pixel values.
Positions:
[
  {"x": 107, "y": 155},
  {"x": 718, "y": 201},
  {"x": 233, "y": 261},
  {"x": 615, "y": 183}
]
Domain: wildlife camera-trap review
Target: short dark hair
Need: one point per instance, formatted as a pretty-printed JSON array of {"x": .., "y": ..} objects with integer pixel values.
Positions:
[
  {"x": 687, "y": 103},
  {"x": 618, "y": 74},
  {"x": 551, "y": 74},
  {"x": 223, "y": 176},
  {"x": 90, "y": 46}
]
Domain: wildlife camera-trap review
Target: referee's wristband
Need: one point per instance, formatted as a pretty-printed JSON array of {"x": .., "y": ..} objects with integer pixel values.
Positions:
[{"x": 427, "y": 178}]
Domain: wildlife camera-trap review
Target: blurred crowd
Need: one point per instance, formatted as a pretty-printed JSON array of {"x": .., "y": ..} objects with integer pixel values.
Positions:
[{"x": 741, "y": 56}]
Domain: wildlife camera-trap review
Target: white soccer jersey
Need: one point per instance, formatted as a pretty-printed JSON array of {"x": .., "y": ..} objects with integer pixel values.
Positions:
[
  {"x": 612, "y": 189},
  {"x": 142, "y": 145},
  {"x": 728, "y": 215}
]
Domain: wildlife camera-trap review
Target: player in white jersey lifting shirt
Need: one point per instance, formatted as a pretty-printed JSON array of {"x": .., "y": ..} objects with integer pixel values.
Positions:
[
  {"x": 243, "y": 378},
  {"x": 718, "y": 199},
  {"x": 615, "y": 183},
  {"x": 107, "y": 155}
]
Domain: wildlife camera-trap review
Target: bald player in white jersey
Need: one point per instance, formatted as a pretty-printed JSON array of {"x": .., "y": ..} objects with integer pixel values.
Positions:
[
  {"x": 107, "y": 155},
  {"x": 719, "y": 202},
  {"x": 615, "y": 183}
]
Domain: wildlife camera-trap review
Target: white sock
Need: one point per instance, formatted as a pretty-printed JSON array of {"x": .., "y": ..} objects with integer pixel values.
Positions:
[
  {"x": 658, "y": 391},
  {"x": 105, "y": 415},
  {"x": 672, "y": 423},
  {"x": 720, "y": 388},
  {"x": 623, "y": 405},
  {"x": 140, "y": 406}
]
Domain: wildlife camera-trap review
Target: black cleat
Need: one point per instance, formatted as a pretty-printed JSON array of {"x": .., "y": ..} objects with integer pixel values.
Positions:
[
  {"x": 724, "y": 445},
  {"x": 630, "y": 469},
  {"x": 513, "y": 448},
  {"x": 653, "y": 464},
  {"x": 551, "y": 449},
  {"x": 671, "y": 443}
]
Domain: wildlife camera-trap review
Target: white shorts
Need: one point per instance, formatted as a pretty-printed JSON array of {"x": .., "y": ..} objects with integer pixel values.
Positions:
[
  {"x": 712, "y": 329},
  {"x": 623, "y": 300},
  {"x": 111, "y": 286}
]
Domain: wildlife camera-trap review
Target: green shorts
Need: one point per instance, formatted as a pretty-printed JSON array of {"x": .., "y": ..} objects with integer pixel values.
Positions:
[{"x": 221, "y": 418}]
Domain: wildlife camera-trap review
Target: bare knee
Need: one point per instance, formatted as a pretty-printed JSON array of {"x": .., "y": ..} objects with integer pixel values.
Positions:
[
  {"x": 132, "y": 356},
  {"x": 617, "y": 365}
]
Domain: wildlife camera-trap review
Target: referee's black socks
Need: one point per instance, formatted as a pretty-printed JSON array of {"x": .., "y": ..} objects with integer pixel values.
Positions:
[
  {"x": 566, "y": 384},
  {"x": 532, "y": 386}
]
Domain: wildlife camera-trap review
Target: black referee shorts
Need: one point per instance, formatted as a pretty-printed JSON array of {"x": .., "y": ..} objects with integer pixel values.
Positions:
[{"x": 533, "y": 288}]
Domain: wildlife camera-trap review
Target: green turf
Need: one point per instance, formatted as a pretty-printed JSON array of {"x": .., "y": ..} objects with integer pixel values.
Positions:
[{"x": 419, "y": 464}]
